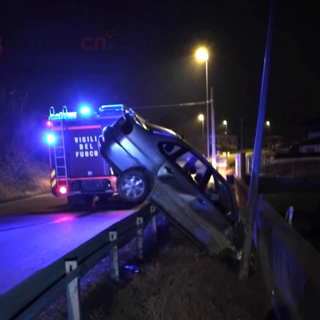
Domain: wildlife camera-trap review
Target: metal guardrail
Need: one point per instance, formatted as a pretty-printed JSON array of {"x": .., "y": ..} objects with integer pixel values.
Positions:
[{"x": 29, "y": 298}]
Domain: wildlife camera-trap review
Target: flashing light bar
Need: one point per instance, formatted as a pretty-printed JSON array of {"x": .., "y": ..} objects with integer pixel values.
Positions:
[
  {"x": 111, "y": 106},
  {"x": 63, "y": 115}
]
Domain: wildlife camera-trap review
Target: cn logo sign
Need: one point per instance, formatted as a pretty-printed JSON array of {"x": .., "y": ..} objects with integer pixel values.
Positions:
[{"x": 152, "y": 209}]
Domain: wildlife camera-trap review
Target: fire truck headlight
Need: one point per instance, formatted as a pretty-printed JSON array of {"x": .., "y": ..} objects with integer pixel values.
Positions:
[{"x": 50, "y": 138}]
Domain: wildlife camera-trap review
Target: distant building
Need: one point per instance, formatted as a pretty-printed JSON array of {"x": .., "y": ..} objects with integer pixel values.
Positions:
[
  {"x": 311, "y": 142},
  {"x": 226, "y": 142},
  {"x": 309, "y": 146},
  {"x": 274, "y": 143},
  {"x": 311, "y": 128}
]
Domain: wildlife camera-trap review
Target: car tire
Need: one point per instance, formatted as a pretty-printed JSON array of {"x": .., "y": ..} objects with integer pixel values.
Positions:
[{"x": 133, "y": 186}]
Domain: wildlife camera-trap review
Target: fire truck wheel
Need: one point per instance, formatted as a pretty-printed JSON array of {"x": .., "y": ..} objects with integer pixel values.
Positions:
[
  {"x": 80, "y": 200},
  {"x": 133, "y": 185}
]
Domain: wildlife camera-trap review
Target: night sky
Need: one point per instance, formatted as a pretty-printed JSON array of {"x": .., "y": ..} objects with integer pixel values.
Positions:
[{"x": 149, "y": 57}]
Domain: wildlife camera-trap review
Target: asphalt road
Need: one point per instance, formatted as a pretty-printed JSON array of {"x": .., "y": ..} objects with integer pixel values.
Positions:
[{"x": 37, "y": 231}]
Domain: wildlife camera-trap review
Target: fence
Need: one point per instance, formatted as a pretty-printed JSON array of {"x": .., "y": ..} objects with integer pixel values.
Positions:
[
  {"x": 32, "y": 296},
  {"x": 292, "y": 167},
  {"x": 289, "y": 263}
]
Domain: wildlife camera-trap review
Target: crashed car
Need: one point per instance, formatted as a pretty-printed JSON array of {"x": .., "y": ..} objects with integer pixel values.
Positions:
[{"x": 155, "y": 164}]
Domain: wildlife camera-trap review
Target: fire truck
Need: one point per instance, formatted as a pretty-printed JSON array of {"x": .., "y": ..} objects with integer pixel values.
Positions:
[{"x": 77, "y": 170}]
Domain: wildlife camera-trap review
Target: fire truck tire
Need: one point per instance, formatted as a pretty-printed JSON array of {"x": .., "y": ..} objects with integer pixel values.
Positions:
[
  {"x": 80, "y": 200},
  {"x": 133, "y": 186}
]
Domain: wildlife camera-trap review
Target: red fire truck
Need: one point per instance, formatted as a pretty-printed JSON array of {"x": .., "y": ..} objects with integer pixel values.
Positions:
[{"x": 77, "y": 170}]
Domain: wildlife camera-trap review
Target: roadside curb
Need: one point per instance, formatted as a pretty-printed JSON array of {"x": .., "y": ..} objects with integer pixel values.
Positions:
[{"x": 2, "y": 204}]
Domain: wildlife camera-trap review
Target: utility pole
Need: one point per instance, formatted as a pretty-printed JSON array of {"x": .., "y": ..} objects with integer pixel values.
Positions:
[
  {"x": 253, "y": 190},
  {"x": 207, "y": 98},
  {"x": 241, "y": 135},
  {"x": 213, "y": 132}
]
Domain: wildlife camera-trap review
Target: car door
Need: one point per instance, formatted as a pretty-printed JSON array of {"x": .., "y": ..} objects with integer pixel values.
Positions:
[{"x": 178, "y": 191}]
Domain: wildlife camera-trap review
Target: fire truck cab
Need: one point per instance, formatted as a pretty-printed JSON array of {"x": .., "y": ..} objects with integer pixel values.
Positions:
[{"x": 77, "y": 170}]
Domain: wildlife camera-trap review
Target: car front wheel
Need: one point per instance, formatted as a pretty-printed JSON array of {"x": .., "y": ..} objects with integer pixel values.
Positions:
[{"x": 133, "y": 186}]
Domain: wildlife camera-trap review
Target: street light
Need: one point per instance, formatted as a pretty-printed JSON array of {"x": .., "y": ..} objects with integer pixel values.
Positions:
[
  {"x": 226, "y": 124},
  {"x": 201, "y": 118},
  {"x": 268, "y": 125},
  {"x": 202, "y": 54}
]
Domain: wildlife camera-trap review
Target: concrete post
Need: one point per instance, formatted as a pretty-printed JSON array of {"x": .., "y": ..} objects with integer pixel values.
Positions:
[
  {"x": 139, "y": 222},
  {"x": 114, "y": 257},
  {"x": 73, "y": 292}
]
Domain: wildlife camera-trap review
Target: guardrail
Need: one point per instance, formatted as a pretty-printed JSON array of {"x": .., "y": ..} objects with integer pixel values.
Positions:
[
  {"x": 289, "y": 263},
  {"x": 29, "y": 298}
]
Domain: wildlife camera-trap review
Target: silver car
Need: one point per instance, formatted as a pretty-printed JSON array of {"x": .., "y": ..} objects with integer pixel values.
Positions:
[{"x": 155, "y": 164}]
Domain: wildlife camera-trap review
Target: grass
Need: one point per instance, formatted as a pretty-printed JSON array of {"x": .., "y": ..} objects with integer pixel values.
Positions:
[
  {"x": 20, "y": 178},
  {"x": 178, "y": 282},
  {"x": 182, "y": 284}
]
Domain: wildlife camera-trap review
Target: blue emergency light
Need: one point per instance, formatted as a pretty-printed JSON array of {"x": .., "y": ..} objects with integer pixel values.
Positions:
[
  {"x": 85, "y": 110},
  {"x": 50, "y": 138}
]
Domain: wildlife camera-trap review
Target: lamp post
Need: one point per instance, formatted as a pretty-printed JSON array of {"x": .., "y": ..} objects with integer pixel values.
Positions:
[
  {"x": 201, "y": 118},
  {"x": 201, "y": 55},
  {"x": 213, "y": 133},
  {"x": 226, "y": 124}
]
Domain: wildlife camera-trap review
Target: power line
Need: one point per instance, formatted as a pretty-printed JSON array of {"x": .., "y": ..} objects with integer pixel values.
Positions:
[{"x": 188, "y": 104}]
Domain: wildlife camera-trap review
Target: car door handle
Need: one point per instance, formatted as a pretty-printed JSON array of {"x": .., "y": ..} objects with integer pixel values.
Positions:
[
  {"x": 169, "y": 170},
  {"x": 201, "y": 201}
]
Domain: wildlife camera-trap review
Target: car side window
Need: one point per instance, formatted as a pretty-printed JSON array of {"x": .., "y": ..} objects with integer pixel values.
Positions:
[
  {"x": 192, "y": 166},
  {"x": 218, "y": 192},
  {"x": 224, "y": 194},
  {"x": 184, "y": 160}
]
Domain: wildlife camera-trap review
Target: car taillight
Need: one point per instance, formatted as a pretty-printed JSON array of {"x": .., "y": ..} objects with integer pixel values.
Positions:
[{"x": 63, "y": 190}]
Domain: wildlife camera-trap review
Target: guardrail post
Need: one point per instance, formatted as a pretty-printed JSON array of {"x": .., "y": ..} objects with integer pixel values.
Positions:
[
  {"x": 139, "y": 221},
  {"x": 154, "y": 228},
  {"x": 114, "y": 258},
  {"x": 73, "y": 292},
  {"x": 289, "y": 215}
]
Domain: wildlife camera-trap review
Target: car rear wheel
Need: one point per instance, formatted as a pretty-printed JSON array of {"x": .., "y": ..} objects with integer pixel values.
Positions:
[{"x": 133, "y": 186}]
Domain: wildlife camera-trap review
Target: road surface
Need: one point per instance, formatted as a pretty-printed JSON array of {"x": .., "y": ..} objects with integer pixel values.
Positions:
[{"x": 35, "y": 232}]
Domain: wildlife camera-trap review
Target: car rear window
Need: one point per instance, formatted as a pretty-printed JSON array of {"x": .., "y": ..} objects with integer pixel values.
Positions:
[{"x": 170, "y": 148}]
